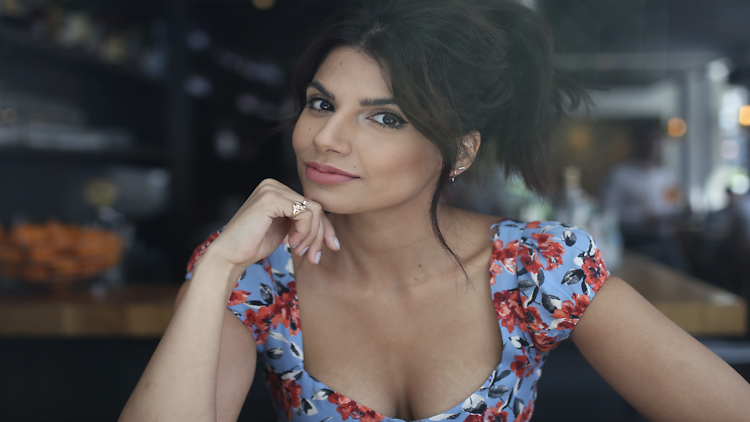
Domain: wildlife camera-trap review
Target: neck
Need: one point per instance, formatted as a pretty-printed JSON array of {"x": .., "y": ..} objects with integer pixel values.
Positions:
[{"x": 392, "y": 245}]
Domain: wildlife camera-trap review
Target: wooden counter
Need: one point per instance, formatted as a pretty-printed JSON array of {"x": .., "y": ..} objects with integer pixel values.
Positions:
[
  {"x": 697, "y": 307},
  {"x": 144, "y": 310},
  {"x": 130, "y": 311}
]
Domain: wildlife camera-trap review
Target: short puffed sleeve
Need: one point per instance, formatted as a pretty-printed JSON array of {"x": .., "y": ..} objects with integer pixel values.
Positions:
[
  {"x": 558, "y": 270},
  {"x": 264, "y": 297}
]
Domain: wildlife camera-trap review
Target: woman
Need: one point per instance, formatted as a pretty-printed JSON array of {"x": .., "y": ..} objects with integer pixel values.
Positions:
[{"x": 401, "y": 319}]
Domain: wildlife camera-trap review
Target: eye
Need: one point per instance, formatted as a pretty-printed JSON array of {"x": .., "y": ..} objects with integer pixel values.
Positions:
[
  {"x": 319, "y": 104},
  {"x": 388, "y": 119}
]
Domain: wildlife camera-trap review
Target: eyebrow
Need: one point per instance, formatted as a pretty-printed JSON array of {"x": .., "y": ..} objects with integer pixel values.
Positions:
[
  {"x": 373, "y": 102},
  {"x": 317, "y": 85},
  {"x": 364, "y": 102}
]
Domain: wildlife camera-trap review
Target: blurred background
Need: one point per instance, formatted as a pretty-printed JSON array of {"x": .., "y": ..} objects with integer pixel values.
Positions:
[{"x": 130, "y": 130}]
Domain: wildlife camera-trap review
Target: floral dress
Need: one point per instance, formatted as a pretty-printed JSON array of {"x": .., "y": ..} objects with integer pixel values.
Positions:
[{"x": 543, "y": 276}]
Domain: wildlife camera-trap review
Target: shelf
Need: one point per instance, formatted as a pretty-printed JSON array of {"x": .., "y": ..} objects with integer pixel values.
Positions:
[
  {"x": 694, "y": 305},
  {"x": 22, "y": 39},
  {"x": 135, "y": 310},
  {"x": 144, "y": 156}
]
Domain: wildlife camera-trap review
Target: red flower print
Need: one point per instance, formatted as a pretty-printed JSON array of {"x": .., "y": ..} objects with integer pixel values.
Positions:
[
  {"x": 491, "y": 414},
  {"x": 550, "y": 250},
  {"x": 287, "y": 310},
  {"x": 505, "y": 255},
  {"x": 284, "y": 310},
  {"x": 198, "y": 252},
  {"x": 508, "y": 308},
  {"x": 595, "y": 271},
  {"x": 543, "y": 342},
  {"x": 286, "y": 393},
  {"x": 533, "y": 225},
  {"x": 350, "y": 409},
  {"x": 250, "y": 318},
  {"x": 521, "y": 364},
  {"x": 259, "y": 323},
  {"x": 541, "y": 238},
  {"x": 537, "y": 328},
  {"x": 529, "y": 259},
  {"x": 571, "y": 311},
  {"x": 237, "y": 297},
  {"x": 526, "y": 414},
  {"x": 533, "y": 319}
]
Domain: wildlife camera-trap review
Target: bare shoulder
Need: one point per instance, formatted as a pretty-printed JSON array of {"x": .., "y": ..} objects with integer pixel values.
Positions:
[
  {"x": 469, "y": 232},
  {"x": 472, "y": 224}
]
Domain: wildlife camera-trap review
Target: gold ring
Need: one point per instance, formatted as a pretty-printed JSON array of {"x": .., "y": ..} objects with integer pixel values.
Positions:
[{"x": 299, "y": 207}]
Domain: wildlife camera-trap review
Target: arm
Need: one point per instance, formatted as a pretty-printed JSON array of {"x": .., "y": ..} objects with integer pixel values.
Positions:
[
  {"x": 237, "y": 358},
  {"x": 206, "y": 355},
  {"x": 657, "y": 367},
  {"x": 193, "y": 374}
]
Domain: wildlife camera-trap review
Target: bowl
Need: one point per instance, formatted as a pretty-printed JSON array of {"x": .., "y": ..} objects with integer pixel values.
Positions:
[{"x": 57, "y": 254}]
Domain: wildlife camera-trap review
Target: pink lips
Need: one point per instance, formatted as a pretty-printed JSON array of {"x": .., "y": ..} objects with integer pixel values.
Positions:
[{"x": 325, "y": 174}]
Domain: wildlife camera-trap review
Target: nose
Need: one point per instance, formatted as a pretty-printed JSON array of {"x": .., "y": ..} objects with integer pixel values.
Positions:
[{"x": 335, "y": 135}]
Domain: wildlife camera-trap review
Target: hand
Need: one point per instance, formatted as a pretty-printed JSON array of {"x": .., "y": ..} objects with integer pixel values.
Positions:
[{"x": 263, "y": 221}]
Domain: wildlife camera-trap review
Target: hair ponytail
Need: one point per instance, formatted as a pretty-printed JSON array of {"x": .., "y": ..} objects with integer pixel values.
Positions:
[{"x": 538, "y": 94}]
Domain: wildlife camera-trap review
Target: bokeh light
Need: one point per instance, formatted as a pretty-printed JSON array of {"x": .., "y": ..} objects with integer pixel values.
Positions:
[
  {"x": 745, "y": 115},
  {"x": 264, "y": 4},
  {"x": 676, "y": 127},
  {"x": 739, "y": 184}
]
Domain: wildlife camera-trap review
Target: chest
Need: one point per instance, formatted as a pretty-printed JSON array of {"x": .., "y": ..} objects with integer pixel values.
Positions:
[{"x": 409, "y": 354}]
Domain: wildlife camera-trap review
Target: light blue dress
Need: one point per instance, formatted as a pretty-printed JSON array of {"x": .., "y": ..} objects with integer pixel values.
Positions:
[{"x": 543, "y": 276}]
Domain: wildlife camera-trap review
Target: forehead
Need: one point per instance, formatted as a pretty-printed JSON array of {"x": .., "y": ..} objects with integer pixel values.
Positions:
[{"x": 346, "y": 72}]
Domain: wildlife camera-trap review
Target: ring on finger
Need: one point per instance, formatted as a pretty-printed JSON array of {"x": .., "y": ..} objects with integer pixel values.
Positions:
[{"x": 299, "y": 207}]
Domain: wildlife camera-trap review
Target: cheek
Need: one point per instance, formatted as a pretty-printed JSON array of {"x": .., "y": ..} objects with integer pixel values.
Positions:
[
  {"x": 304, "y": 132},
  {"x": 417, "y": 164}
]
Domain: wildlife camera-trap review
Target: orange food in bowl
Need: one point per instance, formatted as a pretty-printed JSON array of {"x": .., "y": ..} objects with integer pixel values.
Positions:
[{"x": 55, "y": 252}]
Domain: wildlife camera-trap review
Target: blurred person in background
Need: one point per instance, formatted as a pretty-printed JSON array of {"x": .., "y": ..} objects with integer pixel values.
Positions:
[
  {"x": 647, "y": 199},
  {"x": 415, "y": 310}
]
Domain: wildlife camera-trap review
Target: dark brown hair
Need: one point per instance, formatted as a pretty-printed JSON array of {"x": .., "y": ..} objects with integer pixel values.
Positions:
[{"x": 455, "y": 67}]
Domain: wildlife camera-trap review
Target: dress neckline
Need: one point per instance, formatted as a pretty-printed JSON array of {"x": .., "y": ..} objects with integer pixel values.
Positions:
[{"x": 458, "y": 408}]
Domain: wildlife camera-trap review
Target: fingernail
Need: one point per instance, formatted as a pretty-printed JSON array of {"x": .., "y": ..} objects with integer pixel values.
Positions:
[
  {"x": 296, "y": 244},
  {"x": 304, "y": 250},
  {"x": 336, "y": 241},
  {"x": 317, "y": 258}
]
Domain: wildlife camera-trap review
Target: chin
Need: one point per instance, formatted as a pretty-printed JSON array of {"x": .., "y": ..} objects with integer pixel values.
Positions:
[
  {"x": 341, "y": 202},
  {"x": 339, "y": 206}
]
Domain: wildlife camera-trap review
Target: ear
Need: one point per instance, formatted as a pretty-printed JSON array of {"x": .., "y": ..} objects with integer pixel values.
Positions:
[{"x": 469, "y": 148}]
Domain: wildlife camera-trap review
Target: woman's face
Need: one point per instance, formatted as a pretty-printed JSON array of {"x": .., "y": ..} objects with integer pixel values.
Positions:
[{"x": 355, "y": 149}]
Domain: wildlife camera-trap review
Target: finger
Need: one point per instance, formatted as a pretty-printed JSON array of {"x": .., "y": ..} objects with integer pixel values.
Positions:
[
  {"x": 281, "y": 201},
  {"x": 303, "y": 226},
  {"x": 315, "y": 212},
  {"x": 291, "y": 238},
  {"x": 275, "y": 185},
  {"x": 316, "y": 249},
  {"x": 329, "y": 235}
]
